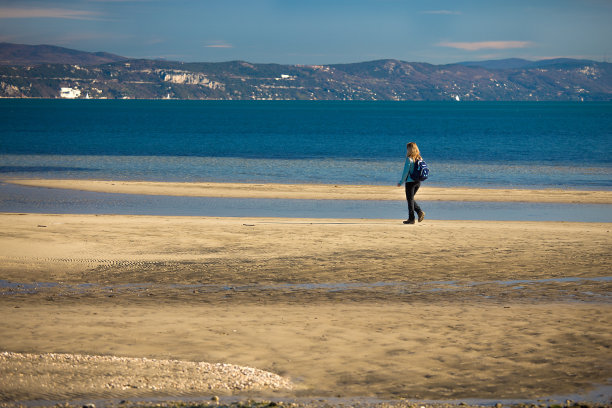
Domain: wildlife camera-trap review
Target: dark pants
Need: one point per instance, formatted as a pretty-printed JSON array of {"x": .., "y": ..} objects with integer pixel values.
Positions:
[{"x": 411, "y": 188}]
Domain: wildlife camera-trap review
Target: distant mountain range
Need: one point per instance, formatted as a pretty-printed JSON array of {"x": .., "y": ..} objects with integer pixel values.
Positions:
[
  {"x": 46, "y": 71},
  {"x": 518, "y": 63},
  {"x": 20, "y": 54}
]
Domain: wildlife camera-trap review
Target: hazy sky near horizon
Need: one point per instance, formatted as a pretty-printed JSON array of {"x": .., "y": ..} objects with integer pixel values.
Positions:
[{"x": 316, "y": 31}]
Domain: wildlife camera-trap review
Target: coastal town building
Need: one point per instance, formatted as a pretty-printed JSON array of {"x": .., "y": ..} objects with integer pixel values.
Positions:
[{"x": 70, "y": 93}]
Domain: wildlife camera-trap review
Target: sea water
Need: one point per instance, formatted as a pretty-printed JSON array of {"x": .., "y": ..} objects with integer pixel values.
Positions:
[
  {"x": 472, "y": 144},
  {"x": 488, "y": 144}
]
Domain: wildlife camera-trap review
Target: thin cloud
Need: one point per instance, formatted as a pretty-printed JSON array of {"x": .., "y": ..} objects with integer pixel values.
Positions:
[
  {"x": 8, "y": 12},
  {"x": 443, "y": 12},
  {"x": 486, "y": 45},
  {"x": 220, "y": 45}
]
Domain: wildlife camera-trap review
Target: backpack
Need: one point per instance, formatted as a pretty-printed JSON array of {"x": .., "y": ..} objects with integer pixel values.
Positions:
[{"x": 420, "y": 172}]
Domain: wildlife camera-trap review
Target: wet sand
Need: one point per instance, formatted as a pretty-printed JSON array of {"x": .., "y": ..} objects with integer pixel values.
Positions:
[
  {"x": 351, "y": 308},
  {"x": 322, "y": 191}
]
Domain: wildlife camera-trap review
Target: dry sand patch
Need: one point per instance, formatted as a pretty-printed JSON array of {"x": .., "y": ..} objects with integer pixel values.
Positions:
[
  {"x": 321, "y": 191},
  {"x": 237, "y": 251}
]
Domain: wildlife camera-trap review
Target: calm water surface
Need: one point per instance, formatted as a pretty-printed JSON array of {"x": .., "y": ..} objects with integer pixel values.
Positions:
[
  {"x": 473, "y": 144},
  {"x": 501, "y": 144}
]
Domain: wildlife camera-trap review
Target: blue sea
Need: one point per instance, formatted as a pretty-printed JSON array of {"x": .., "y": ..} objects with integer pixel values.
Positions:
[{"x": 473, "y": 144}]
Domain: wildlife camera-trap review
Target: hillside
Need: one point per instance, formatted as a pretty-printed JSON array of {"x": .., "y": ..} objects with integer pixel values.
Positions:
[
  {"x": 509, "y": 80},
  {"x": 20, "y": 54}
]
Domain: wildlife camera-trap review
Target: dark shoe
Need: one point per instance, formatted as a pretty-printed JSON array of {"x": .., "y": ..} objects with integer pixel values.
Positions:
[
  {"x": 409, "y": 222},
  {"x": 421, "y": 216}
]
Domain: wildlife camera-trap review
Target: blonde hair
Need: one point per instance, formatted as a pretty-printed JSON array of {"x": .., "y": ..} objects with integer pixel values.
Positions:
[{"x": 413, "y": 151}]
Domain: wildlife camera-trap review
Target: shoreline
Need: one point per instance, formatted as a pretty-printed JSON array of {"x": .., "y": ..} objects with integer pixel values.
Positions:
[
  {"x": 596, "y": 396},
  {"x": 320, "y": 191}
]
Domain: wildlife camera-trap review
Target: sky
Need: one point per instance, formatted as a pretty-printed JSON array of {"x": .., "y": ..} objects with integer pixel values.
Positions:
[{"x": 314, "y": 32}]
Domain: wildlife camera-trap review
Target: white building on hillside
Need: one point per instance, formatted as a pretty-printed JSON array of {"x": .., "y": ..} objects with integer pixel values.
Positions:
[{"x": 70, "y": 93}]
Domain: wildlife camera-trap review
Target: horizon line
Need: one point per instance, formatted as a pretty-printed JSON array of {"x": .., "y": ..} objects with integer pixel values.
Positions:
[{"x": 474, "y": 60}]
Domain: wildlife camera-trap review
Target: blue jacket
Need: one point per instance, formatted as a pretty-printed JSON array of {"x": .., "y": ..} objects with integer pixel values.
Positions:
[{"x": 408, "y": 167}]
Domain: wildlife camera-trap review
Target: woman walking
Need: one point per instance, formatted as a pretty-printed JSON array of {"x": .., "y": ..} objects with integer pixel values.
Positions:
[{"x": 412, "y": 186}]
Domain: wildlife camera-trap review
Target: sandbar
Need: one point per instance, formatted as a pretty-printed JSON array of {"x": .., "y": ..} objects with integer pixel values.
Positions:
[
  {"x": 322, "y": 191},
  {"x": 441, "y": 310}
]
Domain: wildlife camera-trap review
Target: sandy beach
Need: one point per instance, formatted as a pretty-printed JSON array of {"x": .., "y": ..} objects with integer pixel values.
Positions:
[
  {"x": 443, "y": 310},
  {"x": 321, "y": 191}
]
